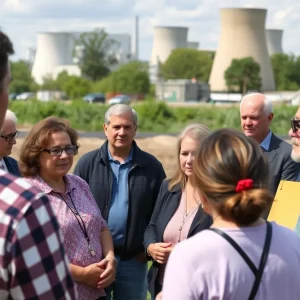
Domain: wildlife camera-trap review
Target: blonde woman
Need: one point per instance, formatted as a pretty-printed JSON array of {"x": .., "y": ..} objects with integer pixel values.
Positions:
[
  {"x": 177, "y": 214},
  {"x": 241, "y": 256}
]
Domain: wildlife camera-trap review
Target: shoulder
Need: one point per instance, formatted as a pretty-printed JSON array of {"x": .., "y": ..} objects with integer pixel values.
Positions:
[
  {"x": 17, "y": 195},
  {"x": 147, "y": 158},
  {"x": 76, "y": 180},
  {"x": 283, "y": 145},
  {"x": 10, "y": 159},
  {"x": 286, "y": 233},
  {"x": 89, "y": 156}
]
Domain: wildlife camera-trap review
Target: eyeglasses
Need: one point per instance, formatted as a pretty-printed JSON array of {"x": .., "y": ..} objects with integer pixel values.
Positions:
[
  {"x": 70, "y": 150},
  {"x": 295, "y": 124},
  {"x": 11, "y": 136}
]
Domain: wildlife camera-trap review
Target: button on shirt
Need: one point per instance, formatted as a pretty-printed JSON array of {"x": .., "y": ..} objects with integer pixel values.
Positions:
[{"x": 118, "y": 213}]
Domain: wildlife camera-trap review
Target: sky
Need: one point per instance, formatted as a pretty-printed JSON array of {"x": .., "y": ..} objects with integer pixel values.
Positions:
[{"x": 23, "y": 19}]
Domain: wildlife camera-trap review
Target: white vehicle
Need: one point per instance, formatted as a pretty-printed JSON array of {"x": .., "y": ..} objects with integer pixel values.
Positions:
[
  {"x": 26, "y": 96},
  {"x": 120, "y": 99}
]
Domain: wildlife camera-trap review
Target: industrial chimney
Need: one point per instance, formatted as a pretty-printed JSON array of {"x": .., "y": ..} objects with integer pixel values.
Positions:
[
  {"x": 274, "y": 41},
  {"x": 242, "y": 35}
]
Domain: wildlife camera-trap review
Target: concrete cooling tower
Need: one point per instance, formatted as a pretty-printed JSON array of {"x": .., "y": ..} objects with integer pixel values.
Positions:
[
  {"x": 274, "y": 41},
  {"x": 242, "y": 35},
  {"x": 165, "y": 40},
  {"x": 53, "y": 49},
  {"x": 193, "y": 45}
]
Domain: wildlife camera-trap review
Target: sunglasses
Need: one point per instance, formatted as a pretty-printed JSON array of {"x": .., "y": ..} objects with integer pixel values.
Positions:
[{"x": 295, "y": 124}]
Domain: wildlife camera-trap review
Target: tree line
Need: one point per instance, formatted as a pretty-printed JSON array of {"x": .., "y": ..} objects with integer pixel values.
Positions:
[{"x": 98, "y": 61}]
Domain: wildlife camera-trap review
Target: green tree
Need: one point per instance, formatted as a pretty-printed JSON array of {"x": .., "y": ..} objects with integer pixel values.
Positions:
[
  {"x": 242, "y": 75},
  {"x": 286, "y": 71},
  {"x": 131, "y": 78},
  {"x": 22, "y": 80},
  {"x": 187, "y": 64},
  {"x": 76, "y": 87},
  {"x": 97, "y": 54}
]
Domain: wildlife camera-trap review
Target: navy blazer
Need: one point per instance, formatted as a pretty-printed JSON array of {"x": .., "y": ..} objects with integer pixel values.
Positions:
[
  {"x": 12, "y": 166},
  {"x": 166, "y": 205},
  {"x": 282, "y": 167}
]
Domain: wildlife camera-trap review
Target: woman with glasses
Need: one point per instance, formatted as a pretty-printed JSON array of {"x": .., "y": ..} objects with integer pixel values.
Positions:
[
  {"x": 8, "y": 136},
  {"x": 46, "y": 158}
]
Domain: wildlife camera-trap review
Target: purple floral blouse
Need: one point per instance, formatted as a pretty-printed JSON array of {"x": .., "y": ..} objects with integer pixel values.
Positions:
[{"x": 76, "y": 245}]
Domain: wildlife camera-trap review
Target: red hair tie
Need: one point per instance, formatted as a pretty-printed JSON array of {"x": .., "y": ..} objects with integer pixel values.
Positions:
[{"x": 243, "y": 185}]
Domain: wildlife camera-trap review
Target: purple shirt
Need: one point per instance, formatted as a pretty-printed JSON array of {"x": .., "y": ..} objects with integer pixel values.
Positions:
[
  {"x": 33, "y": 264},
  {"x": 206, "y": 266},
  {"x": 74, "y": 240}
]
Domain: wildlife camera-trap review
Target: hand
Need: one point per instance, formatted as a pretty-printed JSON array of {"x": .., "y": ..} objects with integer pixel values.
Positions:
[
  {"x": 160, "y": 252},
  {"x": 91, "y": 274},
  {"x": 109, "y": 264},
  {"x": 159, "y": 296}
]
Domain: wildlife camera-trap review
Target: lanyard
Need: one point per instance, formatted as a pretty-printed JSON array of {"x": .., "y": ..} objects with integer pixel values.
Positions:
[{"x": 80, "y": 223}]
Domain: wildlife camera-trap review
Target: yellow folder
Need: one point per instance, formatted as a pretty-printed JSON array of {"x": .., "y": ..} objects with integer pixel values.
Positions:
[{"x": 286, "y": 205}]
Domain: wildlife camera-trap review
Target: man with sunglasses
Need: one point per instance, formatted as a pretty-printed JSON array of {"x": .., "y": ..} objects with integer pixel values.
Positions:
[
  {"x": 294, "y": 133},
  {"x": 256, "y": 117},
  {"x": 8, "y": 136}
]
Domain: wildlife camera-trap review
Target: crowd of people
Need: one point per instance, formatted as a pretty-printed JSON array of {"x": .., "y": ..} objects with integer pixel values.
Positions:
[{"x": 90, "y": 235}]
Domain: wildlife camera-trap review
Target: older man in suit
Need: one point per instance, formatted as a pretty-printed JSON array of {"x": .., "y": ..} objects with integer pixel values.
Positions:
[
  {"x": 8, "y": 136},
  {"x": 256, "y": 116}
]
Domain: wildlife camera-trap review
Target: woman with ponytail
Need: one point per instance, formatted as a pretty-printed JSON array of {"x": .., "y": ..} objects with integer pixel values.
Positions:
[{"x": 241, "y": 256}]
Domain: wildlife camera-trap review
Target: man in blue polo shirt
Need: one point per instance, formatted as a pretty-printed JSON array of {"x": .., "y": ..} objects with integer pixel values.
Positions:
[{"x": 125, "y": 182}]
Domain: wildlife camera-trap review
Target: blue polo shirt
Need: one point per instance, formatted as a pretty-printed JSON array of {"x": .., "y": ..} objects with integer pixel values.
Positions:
[{"x": 118, "y": 212}]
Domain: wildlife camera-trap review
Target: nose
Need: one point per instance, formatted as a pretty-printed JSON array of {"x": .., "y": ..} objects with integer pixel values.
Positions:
[
  {"x": 248, "y": 122},
  {"x": 190, "y": 159},
  {"x": 122, "y": 131},
  {"x": 64, "y": 154}
]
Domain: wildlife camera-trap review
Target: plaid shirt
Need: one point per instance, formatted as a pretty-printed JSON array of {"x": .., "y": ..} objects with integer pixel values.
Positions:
[{"x": 33, "y": 264}]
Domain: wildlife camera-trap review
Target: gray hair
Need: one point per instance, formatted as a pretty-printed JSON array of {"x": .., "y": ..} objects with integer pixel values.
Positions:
[
  {"x": 196, "y": 131},
  {"x": 268, "y": 105},
  {"x": 118, "y": 110},
  {"x": 11, "y": 116}
]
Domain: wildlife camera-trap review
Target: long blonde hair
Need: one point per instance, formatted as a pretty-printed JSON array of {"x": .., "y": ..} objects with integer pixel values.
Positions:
[{"x": 197, "y": 132}]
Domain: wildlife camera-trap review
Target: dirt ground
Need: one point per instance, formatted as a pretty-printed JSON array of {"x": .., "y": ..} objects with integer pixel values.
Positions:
[{"x": 162, "y": 147}]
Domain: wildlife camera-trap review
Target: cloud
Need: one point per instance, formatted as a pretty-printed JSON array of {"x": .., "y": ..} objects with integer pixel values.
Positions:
[{"x": 22, "y": 19}]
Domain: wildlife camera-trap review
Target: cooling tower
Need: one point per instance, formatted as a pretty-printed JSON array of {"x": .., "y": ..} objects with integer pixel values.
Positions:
[
  {"x": 193, "y": 45},
  {"x": 165, "y": 40},
  {"x": 242, "y": 35},
  {"x": 53, "y": 49},
  {"x": 274, "y": 41}
]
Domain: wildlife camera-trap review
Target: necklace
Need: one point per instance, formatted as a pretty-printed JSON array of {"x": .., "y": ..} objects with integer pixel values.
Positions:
[
  {"x": 80, "y": 223},
  {"x": 186, "y": 215}
]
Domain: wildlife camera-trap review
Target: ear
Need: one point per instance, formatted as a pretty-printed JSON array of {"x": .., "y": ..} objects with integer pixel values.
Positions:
[
  {"x": 205, "y": 204},
  {"x": 105, "y": 128},
  {"x": 270, "y": 117}
]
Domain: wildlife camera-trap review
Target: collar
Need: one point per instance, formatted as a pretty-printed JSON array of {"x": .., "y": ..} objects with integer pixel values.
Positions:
[
  {"x": 139, "y": 157},
  {"x": 48, "y": 189},
  {"x": 128, "y": 158},
  {"x": 266, "y": 142}
]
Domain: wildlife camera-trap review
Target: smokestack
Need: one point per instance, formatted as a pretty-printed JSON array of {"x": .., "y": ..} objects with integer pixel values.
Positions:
[
  {"x": 242, "y": 35},
  {"x": 136, "y": 38}
]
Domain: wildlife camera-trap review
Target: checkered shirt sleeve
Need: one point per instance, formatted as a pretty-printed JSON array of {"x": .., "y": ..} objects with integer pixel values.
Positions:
[{"x": 33, "y": 264}]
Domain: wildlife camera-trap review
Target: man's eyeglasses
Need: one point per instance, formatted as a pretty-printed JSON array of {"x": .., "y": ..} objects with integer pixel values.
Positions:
[
  {"x": 11, "y": 136},
  {"x": 295, "y": 124},
  {"x": 70, "y": 150}
]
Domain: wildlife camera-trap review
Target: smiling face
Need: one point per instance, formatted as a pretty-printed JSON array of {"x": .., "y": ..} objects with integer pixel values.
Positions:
[
  {"x": 187, "y": 155},
  {"x": 120, "y": 131},
  {"x": 56, "y": 167}
]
